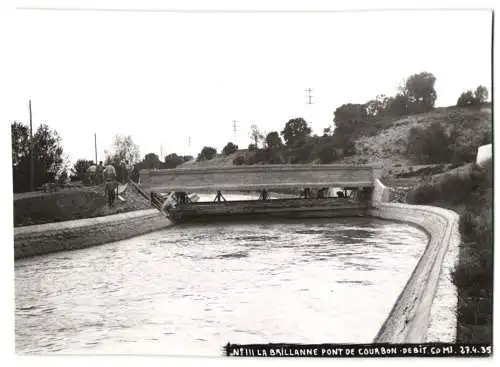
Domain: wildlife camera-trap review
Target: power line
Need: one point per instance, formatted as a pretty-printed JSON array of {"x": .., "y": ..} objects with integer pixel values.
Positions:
[{"x": 95, "y": 147}]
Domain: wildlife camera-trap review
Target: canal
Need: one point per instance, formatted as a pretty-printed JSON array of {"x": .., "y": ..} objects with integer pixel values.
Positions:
[{"x": 190, "y": 289}]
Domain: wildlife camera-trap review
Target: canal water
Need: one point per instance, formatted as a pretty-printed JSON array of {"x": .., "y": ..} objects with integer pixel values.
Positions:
[{"x": 190, "y": 289}]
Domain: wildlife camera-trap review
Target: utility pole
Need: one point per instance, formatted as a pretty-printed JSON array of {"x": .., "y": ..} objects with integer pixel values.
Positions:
[
  {"x": 95, "y": 147},
  {"x": 234, "y": 127},
  {"x": 32, "y": 155},
  {"x": 309, "y": 90},
  {"x": 161, "y": 152}
]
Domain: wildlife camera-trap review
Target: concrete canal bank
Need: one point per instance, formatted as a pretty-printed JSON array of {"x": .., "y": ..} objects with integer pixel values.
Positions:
[
  {"x": 416, "y": 316},
  {"x": 75, "y": 234}
]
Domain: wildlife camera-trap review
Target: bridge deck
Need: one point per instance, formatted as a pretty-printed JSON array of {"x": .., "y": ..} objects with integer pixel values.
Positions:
[{"x": 258, "y": 177}]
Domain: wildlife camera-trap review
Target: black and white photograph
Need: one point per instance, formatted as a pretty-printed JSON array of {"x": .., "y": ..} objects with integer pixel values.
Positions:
[{"x": 251, "y": 183}]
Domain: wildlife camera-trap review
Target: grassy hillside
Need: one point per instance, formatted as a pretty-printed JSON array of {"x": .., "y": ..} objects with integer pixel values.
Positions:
[{"x": 388, "y": 146}]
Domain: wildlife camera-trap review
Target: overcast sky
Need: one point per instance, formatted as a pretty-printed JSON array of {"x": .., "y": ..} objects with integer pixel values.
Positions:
[{"x": 164, "y": 77}]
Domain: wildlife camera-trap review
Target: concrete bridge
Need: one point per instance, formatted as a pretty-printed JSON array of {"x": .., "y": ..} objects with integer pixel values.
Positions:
[{"x": 259, "y": 177}]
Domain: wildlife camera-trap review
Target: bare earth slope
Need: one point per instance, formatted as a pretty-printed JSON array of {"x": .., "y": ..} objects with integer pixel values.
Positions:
[
  {"x": 78, "y": 203},
  {"x": 219, "y": 161}
]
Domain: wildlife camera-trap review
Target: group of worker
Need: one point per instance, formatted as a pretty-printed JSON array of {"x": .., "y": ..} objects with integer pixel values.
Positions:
[
  {"x": 99, "y": 174},
  {"x": 96, "y": 174}
]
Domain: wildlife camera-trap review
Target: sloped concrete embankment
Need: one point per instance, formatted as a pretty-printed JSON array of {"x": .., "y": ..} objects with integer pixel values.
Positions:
[
  {"x": 425, "y": 311},
  {"x": 75, "y": 234}
]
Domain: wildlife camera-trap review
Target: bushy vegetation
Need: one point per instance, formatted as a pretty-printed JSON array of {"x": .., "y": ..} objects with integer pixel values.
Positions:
[
  {"x": 424, "y": 171},
  {"x": 206, "y": 154},
  {"x": 471, "y": 196},
  {"x": 79, "y": 170},
  {"x": 430, "y": 145},
  {"x": 473, "y": 99},
  {"x": 435, "y": 144},
  {"x": 229, "y": 149}
]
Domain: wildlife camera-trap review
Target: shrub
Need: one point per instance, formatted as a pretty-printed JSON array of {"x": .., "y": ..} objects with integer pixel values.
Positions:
[
  {"x": 326, "y": 154},
  {"x": 301, "y": 154},
  {"x": 239, "y": 160},
  {"x": 429, "y": 145},
  {"x": 350, "y": 149},
  {"x": 424, "y": 194}
]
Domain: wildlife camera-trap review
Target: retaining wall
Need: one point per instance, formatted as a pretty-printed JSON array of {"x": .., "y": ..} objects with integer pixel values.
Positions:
[
  {"x": 416, "y": 317},
  {"x": 75, "y": 234}
]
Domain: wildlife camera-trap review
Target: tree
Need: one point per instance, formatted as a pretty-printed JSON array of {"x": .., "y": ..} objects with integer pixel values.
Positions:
[
  {"x": 124, "y": 150},
  {"x": 63, "y": 170},
  {"x": 20, "y": 143},
  {"x": 419, "y": 88},
  {"x": 206, "y": 154},
  {"x": 256, "y": 135},
  {"x": 48, "y": 156},
  {"x": 399, "y": 105},
  {"x": 476, "y": 98},
  {"x": 252, "y": 147},
  {"x": 466, "y": 99},
  {"x": 173, "y": 160},
  {"x": 349, "y": 118},
  {"x": 20, "y": 157},
  {"x": 151, "y": 161},
  {"x": 327, "y": 131},
  {"x": 230, "y": 148},
  {"x": 79, "y": 170},
  {"x": 296, "y": 132},
  {"x": 378, "y": 106},
  {"x": 481, "y": 94},
  {"x": 273, "y": 140},
  {"x": 324, "y": 150},
  {"x": 125, "y": 154}
]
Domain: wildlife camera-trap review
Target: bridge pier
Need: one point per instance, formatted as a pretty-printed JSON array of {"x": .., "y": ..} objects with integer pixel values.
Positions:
[
  {"x": 264, "y": 195},
  {"x": 219, "y": 197},
  {"x": 306, "y": 193},
  {"x": 181, "y": 198}
]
